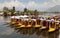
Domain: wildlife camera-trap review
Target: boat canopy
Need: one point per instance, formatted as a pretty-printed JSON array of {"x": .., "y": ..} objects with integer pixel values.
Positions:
[
  {"x": 33, "y": 19},
  {"x": 18, "y": 17},
  {"x": 24, "y": 16},
  {"x": 12, "y": 16}
]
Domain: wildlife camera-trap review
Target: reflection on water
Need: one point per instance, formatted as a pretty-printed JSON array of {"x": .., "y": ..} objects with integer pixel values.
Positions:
[
  {"x": 38, "y": 32},
  {"x": 8, "y": 32}
]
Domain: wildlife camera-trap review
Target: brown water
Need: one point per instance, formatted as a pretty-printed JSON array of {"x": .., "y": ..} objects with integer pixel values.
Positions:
[{"x": 8, "y": 32}]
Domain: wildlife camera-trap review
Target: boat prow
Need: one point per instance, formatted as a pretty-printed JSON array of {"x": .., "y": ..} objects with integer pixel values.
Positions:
[
  {"x": 22, "y": 26},
  {"x": 43, "y": 27},
  {"x": 51, "y": 29},
  {"x": 28, "y": 26},
  {"x": 19, "y": 24},
  {"x": 36, "y": 26}
]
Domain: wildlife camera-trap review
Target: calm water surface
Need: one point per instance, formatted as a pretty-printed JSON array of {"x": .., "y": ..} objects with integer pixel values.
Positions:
[{"x": 8, "y": 32}]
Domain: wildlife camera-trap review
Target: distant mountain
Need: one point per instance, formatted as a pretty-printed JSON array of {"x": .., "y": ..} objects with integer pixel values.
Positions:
[{"x": 54, "y": 9}]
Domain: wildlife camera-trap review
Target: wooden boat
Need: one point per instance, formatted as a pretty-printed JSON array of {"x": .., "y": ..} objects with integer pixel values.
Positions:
[
  {"x": 11, "y": 21},
  {"x": 20, "y": 25},
  {"x": 44, "y": 24},
  {"x": 37, "y": 25},
  {"x": 14, "y": 19},
  {"x": 28, "y": 25},
  {"x": 22, "y": 22},
  {"x": 52, "y": 26}
]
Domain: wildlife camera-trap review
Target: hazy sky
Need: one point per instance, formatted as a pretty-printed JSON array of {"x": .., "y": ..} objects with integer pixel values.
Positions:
[{"x": 30, "y": 4}]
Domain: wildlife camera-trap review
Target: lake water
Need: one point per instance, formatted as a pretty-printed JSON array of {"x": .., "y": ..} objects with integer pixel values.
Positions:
[{"x": 8, "y": 32}]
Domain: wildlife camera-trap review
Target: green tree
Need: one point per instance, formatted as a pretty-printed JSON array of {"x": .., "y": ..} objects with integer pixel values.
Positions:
[
  {"x": 5, "y": 10},
  {"x": 36, "y": 13},
  {"x": 25, "y": 9}
]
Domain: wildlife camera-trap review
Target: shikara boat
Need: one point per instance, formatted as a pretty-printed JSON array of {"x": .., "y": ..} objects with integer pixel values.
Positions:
[{"x": 42, "y": 23}]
